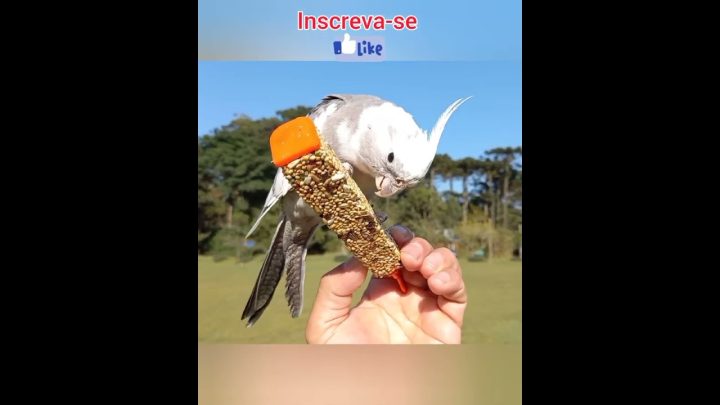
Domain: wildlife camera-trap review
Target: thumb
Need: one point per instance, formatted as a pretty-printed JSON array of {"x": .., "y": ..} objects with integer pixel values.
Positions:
[{"x": 334, "y": 298}]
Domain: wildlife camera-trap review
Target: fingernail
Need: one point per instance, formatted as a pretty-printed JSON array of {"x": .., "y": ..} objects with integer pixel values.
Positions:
[
  {"x": 413, "y": 249},
  {"x": 348, "y": 264},
  {"x": 400, "y": 233},
  {"x": 443, "y": 277}
]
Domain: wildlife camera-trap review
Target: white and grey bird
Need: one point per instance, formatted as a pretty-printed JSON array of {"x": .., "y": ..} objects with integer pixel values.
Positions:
[{"x": 385, "y": 151}]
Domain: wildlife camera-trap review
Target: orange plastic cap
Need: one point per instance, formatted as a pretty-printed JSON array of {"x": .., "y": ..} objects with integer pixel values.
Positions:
[
  {"x": 292, "y": 140},
  {"x": 397, "y": 275}
]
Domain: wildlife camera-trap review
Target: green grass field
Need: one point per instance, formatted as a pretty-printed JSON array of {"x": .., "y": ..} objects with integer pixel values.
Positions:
[{"x": 494, "y": 313}]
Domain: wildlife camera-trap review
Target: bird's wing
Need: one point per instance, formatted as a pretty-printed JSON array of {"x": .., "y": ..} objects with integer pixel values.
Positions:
[
  {"x": 325, "y": 102},
  {"x": 279, "y": 188}
]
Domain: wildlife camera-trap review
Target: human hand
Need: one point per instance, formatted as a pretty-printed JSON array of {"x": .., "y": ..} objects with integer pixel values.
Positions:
[{"x": 430, "y": 312}]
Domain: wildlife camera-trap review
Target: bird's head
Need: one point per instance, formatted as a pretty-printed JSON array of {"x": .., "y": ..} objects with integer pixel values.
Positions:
[{"x": 396, "y": 151}]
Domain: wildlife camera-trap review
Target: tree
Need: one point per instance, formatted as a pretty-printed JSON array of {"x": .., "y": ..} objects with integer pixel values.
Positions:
[
  {"x": 209, "y": 209},
  {"x": 235, "y": 172},
  {"x": 237, "y": 158},
  {"x": 505, "y": 156},
  {"x": 443, "y": 165},
  {"x": 423, "y": 210},
  {"x": 467, "y": 167},
  {"x": 454, "y": 172},
  {"x": 490, "y": 171}
]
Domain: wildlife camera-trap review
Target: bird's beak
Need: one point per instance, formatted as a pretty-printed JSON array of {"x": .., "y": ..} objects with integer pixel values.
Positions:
[{"x": 386, "y": 187}]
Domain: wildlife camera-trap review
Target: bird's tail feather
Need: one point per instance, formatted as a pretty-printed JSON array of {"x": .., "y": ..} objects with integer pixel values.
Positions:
[
  {"x": 295, "y": 253},
  {"x": 269, "y": 277}
]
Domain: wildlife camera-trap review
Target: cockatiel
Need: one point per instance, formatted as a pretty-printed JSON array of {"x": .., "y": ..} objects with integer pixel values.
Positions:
[{"x": 385, "y": 151}]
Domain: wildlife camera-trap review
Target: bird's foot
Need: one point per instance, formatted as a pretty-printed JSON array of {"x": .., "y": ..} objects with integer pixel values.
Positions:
[
  {"x": 348, "y": 167},
  {"x": 381, "y": 216}
]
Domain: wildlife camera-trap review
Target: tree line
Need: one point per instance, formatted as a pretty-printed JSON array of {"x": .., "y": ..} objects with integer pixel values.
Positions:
[{"x": 481, "y": 208}]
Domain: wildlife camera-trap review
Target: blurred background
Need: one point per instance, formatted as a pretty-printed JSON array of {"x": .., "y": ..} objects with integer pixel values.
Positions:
[{"x": 470, "y": 201}]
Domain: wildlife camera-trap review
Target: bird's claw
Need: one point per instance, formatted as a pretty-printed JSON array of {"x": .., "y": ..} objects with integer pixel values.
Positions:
[
  {"x": 348, "y": 167},
  {"x": 381, "y": 216}
]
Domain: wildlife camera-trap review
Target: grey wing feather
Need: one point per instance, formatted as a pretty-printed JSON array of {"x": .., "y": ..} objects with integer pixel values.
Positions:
[
  {"x": 325, "y": 102},
  {"x": 297, "y": 239},
  {"x": 269, "y": 277},
  {"x": 279, "y": 188}
]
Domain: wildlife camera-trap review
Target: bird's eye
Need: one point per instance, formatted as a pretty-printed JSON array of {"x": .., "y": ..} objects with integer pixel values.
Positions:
[{"x": 391, "y": 157}]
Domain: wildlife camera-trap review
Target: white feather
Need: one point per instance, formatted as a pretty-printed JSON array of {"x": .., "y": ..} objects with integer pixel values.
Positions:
[{"x": 279, "y": 188}]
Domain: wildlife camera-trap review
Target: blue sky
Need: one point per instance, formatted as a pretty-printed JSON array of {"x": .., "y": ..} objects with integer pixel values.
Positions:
[{"x": 492, "y": 118}]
